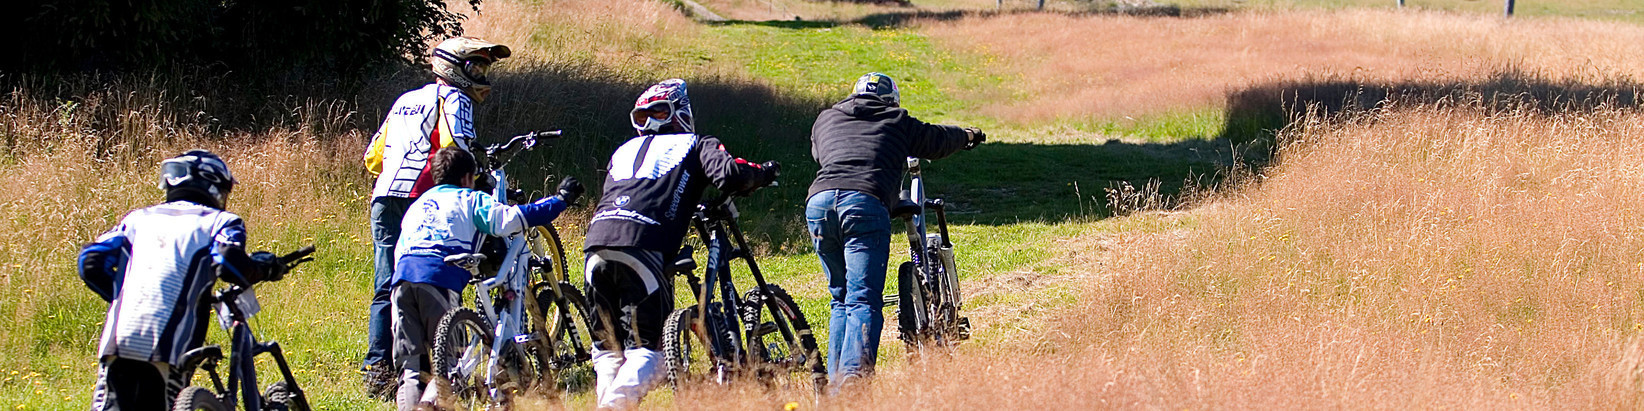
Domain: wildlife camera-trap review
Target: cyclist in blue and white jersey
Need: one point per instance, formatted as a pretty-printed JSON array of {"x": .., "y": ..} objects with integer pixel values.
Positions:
[
  {"x": 156, "y": 269},
  {"x": 449, "y": 219}
]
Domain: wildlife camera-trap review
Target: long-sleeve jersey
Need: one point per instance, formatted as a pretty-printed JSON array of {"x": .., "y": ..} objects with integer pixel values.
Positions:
[
  {"x": 449, "y": 220},
  {"x": 421, "y": 123},
  {"x": 155, "y": 268},
  {"x": 863, "y": 144},
  {"x": 653, "y": 185}
]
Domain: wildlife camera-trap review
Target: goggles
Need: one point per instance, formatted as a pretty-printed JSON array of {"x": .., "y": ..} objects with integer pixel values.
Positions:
[
  {"x": 652, "y": 117},
  {"x": 477, "y": 68}
]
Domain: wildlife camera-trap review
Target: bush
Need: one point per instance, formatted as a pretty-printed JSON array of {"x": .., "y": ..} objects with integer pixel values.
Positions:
[{"x": 283, "y": 39}]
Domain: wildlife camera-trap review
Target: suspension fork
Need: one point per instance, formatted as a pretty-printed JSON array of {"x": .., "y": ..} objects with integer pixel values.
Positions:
[
  {"x": 242, "y": 371},
  {"x": 720, "y": 252}
]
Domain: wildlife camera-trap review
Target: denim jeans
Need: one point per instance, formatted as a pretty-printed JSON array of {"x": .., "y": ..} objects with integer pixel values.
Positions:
[
  {"x": 851, "y": 231},
  {"x": 386, "y": 213}
]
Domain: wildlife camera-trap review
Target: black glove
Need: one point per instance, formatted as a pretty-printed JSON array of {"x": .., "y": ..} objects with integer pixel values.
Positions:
[
  {"x": 273, "y": 269},
  {"x": 570, "y": 190},
  {"x": 772, "y": 171},
  {"x": 976, "y": 137}
]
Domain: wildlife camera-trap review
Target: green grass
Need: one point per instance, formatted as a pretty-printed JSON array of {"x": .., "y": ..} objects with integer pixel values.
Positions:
[{"x": 823, "y": 61}]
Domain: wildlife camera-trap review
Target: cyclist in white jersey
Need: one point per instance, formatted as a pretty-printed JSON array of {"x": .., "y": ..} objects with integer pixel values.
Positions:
[
  {"x": 155, "y": 270},
  {"x": 422, "y": 122}
]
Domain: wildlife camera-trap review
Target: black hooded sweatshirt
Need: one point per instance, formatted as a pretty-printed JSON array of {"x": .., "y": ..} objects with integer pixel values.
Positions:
[{"x": 863, "y": 144}]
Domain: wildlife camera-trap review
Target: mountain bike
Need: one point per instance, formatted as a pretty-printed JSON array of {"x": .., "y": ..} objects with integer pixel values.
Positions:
[
  {"x": 530, "y": 325},
  {"x": 235, "y": 306},
  {"x": 760, "y": 334},
  {"x": 927, "y": 299}
]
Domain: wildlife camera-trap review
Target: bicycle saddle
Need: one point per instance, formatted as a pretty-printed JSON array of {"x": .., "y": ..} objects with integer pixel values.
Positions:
[
  {"x": 904, "y": 209},
  {"x": 467, "y": 261}
]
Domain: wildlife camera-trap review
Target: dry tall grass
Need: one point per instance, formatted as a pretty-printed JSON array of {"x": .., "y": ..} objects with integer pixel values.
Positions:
[
  {"x": 1425, "y": 258},
  {"x": 1435, "y": 257},
  {"x": 78, "y": 152},
  {"x": 1108, "y": 66}
]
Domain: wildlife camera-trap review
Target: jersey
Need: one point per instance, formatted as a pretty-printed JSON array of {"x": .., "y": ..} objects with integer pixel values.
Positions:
[
  {"x": 449, "y": 220},
  {"x": 653, "y": 185},
  {"x": 166, "y": 259},
  {"x": 421, "y": 123}
]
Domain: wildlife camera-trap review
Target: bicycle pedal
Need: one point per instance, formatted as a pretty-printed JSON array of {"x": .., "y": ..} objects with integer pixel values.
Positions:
[
  {"x": 524, "y": 338},
  {"x": 963, "y": 328}
]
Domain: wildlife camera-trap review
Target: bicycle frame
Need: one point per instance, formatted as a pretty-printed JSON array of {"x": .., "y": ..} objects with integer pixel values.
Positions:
[
  {"x": 511, "y": 284},
  {"x": 235, "y": 305},
  {"x": 716, "y": 224},
  {"x": 935, "y": 270}
]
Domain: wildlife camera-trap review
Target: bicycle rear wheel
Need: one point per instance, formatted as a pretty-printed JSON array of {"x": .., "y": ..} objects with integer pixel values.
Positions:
[
  {"x": 687, "y": 351},
  {"x": 462, "y": 356},
  {"x": 782, "y": 341}
]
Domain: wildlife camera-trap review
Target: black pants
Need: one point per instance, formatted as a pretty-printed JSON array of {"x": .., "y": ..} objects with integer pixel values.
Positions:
[
  {"x": 125, "y": 384},
  {"x": 630, "y": 296}
]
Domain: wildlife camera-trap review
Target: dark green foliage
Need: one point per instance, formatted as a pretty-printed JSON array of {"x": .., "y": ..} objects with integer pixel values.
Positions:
[{"x": 291, "y": 39}]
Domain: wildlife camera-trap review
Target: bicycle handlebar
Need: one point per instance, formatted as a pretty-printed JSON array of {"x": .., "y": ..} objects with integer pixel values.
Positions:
[
  {"x": 297, "y": 257},
  {"x": 525, "y": 141}
]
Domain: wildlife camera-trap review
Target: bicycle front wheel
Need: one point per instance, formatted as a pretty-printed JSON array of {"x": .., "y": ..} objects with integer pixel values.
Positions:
[
  {"x": 781, "y": 341},
  {"x": 198, "y": 399},
  {"x": 549, "y": 254},
  {"x": 569, "y": 342},
  {"x": 462, "y": 357}
]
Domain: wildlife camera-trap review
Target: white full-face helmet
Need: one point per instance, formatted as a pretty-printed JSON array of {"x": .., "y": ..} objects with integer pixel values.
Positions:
[
  {"x": 464, "y": 62},
  {"x": 664, "y": 108},
  {"x": 879, "y": 85}
]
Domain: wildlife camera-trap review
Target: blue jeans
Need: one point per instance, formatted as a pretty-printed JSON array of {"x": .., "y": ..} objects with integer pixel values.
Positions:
[
  {"x": 386, "y": 213},
  {"x": 851, "y": 231}
]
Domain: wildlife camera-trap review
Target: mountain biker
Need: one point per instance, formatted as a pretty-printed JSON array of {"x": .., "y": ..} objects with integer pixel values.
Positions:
[
  {"x": 448, "y": 219},
  {"x": 155, "y": 270},
  {"x": 654, "y": 183},
  {"x": 862, "y": 144},
  {"x": 421, "y": 123}
]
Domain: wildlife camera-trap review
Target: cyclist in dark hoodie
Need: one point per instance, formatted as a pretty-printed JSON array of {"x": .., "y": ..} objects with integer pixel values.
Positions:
[{"x": 862, "y": 144}]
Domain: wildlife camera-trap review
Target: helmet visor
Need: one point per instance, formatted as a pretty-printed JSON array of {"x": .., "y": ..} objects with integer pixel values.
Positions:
[{"x": 478, "y": 69}]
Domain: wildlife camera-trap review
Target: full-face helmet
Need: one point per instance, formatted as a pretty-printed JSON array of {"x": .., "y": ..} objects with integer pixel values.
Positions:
[
  {"x": 197, "y": 175},
  {"x": 880, "y": 85},
  {"x": 664, "y": 108},
  {"x": 464, "y": 62}
]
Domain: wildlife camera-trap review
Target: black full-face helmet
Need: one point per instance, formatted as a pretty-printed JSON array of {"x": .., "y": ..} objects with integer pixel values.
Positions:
[{"x": 197, "y": 174}]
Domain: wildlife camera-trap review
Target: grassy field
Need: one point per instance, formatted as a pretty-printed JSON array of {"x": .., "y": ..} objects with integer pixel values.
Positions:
[{"x": 1453, "y": 253}]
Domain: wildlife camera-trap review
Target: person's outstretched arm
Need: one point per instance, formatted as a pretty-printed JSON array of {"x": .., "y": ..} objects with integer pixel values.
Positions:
[{"x": 728, "y": 172}]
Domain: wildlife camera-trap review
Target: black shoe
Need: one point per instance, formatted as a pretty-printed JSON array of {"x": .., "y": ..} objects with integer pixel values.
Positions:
[{"x": 379, "y": 383}]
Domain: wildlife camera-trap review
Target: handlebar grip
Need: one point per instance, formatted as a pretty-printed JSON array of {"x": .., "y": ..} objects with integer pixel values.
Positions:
[
  {"x": 299, "y": 254},
  {"x": 550, "y": 133}
]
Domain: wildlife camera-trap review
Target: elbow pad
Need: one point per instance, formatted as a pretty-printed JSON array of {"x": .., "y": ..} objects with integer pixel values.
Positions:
[{"x": 102, "y": 266}]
